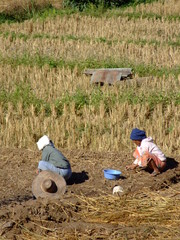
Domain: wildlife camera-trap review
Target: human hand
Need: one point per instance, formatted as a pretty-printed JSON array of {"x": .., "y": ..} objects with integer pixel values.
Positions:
[{"x": 131, "y": 167}]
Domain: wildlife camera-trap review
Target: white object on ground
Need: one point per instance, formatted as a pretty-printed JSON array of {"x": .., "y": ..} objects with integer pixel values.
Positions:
[{"x": 117, "y": 189}]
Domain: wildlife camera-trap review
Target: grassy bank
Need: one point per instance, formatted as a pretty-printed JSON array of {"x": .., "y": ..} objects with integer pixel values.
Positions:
[{"x": 18, "y": 11}]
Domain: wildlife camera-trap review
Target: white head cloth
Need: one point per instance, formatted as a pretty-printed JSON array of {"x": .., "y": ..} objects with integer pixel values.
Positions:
[{"x": 42, "y": 142}]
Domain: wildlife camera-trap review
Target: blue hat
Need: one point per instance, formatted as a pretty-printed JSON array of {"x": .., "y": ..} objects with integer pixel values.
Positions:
[{"x": 137, "y": 134}]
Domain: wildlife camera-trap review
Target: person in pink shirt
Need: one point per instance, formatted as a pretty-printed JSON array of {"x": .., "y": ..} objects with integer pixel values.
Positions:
[{"x": 147, "y": 154}]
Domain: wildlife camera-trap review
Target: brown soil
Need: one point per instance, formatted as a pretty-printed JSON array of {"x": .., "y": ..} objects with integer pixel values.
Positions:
[{"x": 20, "y": 214}]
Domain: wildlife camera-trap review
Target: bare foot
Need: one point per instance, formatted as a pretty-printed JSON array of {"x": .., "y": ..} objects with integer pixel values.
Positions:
[
  {"x": 38, "y": 171},
  {"x": 154, "y": 174}
]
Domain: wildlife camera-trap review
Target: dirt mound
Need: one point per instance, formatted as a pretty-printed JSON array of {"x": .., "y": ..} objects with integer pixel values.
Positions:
[{"x": 31, "y": 215}]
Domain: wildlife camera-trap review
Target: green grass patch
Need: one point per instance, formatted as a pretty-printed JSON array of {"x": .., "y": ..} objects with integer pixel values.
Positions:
[
  {"x": 38, "y": 60},
  {"x": 6, "y": 18},
  {"x": 102, "y": 12},
  {"x": 23, "y": 94},
  {"x": 97, "y": 95},
  {"x": 137, "y": 15},
  {"x": 65, "y": 38}
]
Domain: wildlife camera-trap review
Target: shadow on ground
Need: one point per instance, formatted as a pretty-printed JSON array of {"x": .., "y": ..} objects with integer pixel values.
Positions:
[
  {"x": 18, "y": 199},
  {"x": 77, "y": 178},
  {"x": 171, "y": 163}
]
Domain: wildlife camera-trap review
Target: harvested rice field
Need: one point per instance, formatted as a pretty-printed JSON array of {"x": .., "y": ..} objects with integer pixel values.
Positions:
[{"x": 44, "y": 91}]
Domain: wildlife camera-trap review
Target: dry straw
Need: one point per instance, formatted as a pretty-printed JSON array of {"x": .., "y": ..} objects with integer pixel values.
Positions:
[
  {"x": 114, "y": 28},
  {"x": 91, "y": 127},
  {"x": 162, "y": 7},
  {"x": 147, "y": 41},
  {"x": 14, "y": 6},
  {"x": 133, "y": 217},
  {"x": 75, "y": 39},
  {"x": 159, "y": 56}
]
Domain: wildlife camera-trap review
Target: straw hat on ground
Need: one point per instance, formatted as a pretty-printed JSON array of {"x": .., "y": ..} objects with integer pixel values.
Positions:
[{"x": 48, "y": 184}]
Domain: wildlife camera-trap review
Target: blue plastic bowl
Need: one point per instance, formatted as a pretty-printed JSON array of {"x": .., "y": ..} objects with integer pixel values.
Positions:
[{"x": 112, "y": 174}]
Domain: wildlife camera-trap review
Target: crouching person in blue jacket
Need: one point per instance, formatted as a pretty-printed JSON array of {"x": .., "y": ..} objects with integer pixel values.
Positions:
[{"x": 52, "y": 159}]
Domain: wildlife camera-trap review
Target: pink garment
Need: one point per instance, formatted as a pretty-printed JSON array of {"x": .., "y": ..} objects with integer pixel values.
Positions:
[{"x": 149, "y": 150}]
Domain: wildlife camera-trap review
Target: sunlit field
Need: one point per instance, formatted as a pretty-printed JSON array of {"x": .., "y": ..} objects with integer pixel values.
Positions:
[
  {"x": 44, "y": 90},
  {"x": 44, "y": 53}
]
